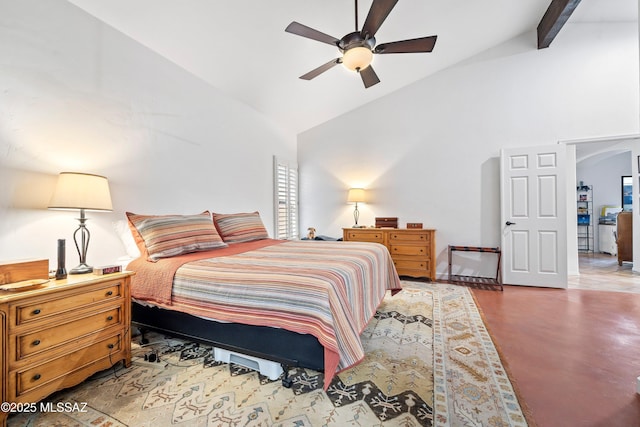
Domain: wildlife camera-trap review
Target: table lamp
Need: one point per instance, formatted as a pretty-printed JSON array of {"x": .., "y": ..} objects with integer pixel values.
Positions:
[
  {"x": 356, "y": 195},
  {"x": 85, "y": 192}
]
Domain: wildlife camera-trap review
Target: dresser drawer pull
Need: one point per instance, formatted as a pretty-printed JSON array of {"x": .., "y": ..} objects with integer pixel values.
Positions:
[
  {"x": 110, "y": 318},
  {"x": 110, "y": 346},
  {"x": 35, "y": 343},
  {"x": 36, "y": 377},
  {"x": 36, "y": 311},
  {"x": 109, "y": 293}
]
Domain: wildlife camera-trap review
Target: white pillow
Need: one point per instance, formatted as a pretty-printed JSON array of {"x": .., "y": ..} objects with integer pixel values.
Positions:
[{"x": 124, "y": 233}]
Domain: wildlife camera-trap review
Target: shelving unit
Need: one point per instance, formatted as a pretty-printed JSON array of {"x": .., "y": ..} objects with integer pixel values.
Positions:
[{"x": 584, "y": 206}]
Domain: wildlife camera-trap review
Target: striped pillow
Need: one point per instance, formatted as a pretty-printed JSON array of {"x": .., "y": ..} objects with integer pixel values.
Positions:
[
  {"x": 164, "y": 236},
  {"x": 240, "y": 227}
]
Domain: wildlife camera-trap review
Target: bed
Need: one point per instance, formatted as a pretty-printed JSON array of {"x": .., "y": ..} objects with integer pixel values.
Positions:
[{"x": 298, "y": 303}]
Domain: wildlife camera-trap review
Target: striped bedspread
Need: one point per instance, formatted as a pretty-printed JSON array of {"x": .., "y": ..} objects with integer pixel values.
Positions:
[{"x": 327, "y": 289}]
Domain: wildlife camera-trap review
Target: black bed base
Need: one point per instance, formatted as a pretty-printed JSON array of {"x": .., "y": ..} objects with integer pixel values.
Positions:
[{"x": 290, "y": 349}]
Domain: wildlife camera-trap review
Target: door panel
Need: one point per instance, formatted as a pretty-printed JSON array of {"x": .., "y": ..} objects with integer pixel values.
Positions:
[
  {"x": 534, "y": 238},
  {"x": 520, "y": 252},
  {"x": 548, "y": 243}
]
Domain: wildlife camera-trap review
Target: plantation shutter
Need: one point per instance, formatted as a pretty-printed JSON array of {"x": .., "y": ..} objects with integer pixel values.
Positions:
[{"x": 286, "y": 199}]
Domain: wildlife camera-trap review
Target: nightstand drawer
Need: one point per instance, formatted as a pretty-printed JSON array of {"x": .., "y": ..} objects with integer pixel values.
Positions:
[
  {"x": 46, "y": 339},
  {"x": 67, "y": 302},
  {"x": 416, "y": 251},
  {"x": 54, "y": 373},
  {"x": 365, "y": 236}
]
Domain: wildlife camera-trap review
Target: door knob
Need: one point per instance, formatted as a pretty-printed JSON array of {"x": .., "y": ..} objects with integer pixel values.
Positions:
[{"x": 510, "y": 223}]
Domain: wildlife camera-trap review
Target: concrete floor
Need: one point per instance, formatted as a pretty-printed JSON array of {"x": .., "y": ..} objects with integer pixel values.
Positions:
[{"x": 574, "y": 354}]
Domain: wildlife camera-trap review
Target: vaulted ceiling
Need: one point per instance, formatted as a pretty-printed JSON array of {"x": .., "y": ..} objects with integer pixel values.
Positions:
[{"x": 241, "y": 48}]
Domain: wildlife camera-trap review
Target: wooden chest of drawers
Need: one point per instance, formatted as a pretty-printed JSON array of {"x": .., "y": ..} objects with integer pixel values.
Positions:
[
  {"x": 56, "y": 336},
  {"x": 625, "y": 237},
  {"x": 412, "y": 251}
]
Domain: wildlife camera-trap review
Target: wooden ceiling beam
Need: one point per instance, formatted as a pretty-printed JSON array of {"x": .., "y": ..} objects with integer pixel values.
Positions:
[{"x": 553, "y": 20}]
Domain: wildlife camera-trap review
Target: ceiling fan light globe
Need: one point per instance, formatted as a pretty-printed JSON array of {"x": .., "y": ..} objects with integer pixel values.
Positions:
[{"x": 357, "y": 58}]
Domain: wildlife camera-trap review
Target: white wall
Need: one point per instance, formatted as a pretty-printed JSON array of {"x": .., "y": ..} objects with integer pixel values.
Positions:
[
  {"x": 80, "y": 96},
  {"x": 429, "y": 153}
]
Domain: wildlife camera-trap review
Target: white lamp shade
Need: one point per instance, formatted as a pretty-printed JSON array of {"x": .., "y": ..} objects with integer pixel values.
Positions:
[
  {"x": 357, "y": 58},
  {"x": 81, "y": 191},
  {"x": 356, "y": 195}
]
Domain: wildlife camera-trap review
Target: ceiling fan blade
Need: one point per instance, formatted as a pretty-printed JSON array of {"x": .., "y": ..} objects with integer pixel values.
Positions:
[
  {"x": 379, "y": 11},
  {"x": 308, "y": 32},
  {"x": 369, "y": 77},
  {"x": 423, "y": 44},
  {"x": 321, "y": 69}
]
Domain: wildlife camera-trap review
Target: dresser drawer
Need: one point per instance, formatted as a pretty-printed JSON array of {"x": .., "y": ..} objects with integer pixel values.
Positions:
[
  {"x": 414, "y": 251},
  {"x": 45, "y": 339},
  {"x": 64, "y": 302},
  {"x": 54, "y": 374},
  {"x": 409, "y": 236},
  {"x": 407, "y": 266},
  {"x": 365, "y": 236}
]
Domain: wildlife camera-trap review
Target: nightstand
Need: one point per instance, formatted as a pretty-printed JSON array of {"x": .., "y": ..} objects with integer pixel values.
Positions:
[{"x": 56, "y": 336}]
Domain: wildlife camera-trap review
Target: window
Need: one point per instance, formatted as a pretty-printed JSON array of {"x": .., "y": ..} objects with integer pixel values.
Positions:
[{"x": 286, "y": 199}]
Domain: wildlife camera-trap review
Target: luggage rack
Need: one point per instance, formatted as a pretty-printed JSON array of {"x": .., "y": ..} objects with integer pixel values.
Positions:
[{"x": 476, "y": 281}]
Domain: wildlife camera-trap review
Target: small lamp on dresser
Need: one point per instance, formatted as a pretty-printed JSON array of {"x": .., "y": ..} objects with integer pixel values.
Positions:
[
  {"x": 85, "y": 192},
  {"x": 356, "y": 195}
]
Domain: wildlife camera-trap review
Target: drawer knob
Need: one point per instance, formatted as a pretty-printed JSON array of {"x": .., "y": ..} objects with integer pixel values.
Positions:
[
  {"x": 110, "y": 346},
  {"x": 35, "y": 342},
  {"x": 109, "y": 293},
  {"x": 110, "y": 318},
  {"x": 36, "y": 311},
  {"x": 36, "y": 377}
]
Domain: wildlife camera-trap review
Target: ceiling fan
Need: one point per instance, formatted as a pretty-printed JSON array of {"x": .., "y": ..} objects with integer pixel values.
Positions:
[{"x": 358, "y": 48}]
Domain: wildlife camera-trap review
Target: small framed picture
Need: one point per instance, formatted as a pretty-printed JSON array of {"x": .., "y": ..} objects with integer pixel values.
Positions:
[{"x": 638, "y": 164}]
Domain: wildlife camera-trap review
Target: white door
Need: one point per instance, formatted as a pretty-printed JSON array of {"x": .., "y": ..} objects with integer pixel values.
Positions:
[{"x": 533, "y": 193}]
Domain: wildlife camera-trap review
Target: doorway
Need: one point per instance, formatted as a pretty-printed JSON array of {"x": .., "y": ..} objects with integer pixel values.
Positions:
[
  {"x": 597, "y": 271},
  {"x": 601, "y": 164}
]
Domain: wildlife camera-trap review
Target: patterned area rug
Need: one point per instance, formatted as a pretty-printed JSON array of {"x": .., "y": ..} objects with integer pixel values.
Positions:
[{"x": 429, "y": 362}]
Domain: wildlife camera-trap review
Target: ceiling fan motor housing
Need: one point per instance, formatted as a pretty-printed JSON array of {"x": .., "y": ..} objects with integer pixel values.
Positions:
[{"x": 355, "y": 39}]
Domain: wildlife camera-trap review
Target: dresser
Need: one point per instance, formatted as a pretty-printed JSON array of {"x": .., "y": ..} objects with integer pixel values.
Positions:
[
  {"x": 412, "y": 250},
  {"x": 57, "y": 335},
  {"x": 625, "y": 237}
]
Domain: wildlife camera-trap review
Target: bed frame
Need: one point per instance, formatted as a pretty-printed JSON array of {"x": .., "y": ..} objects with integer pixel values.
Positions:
[{"x": 289, "y": 349}]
